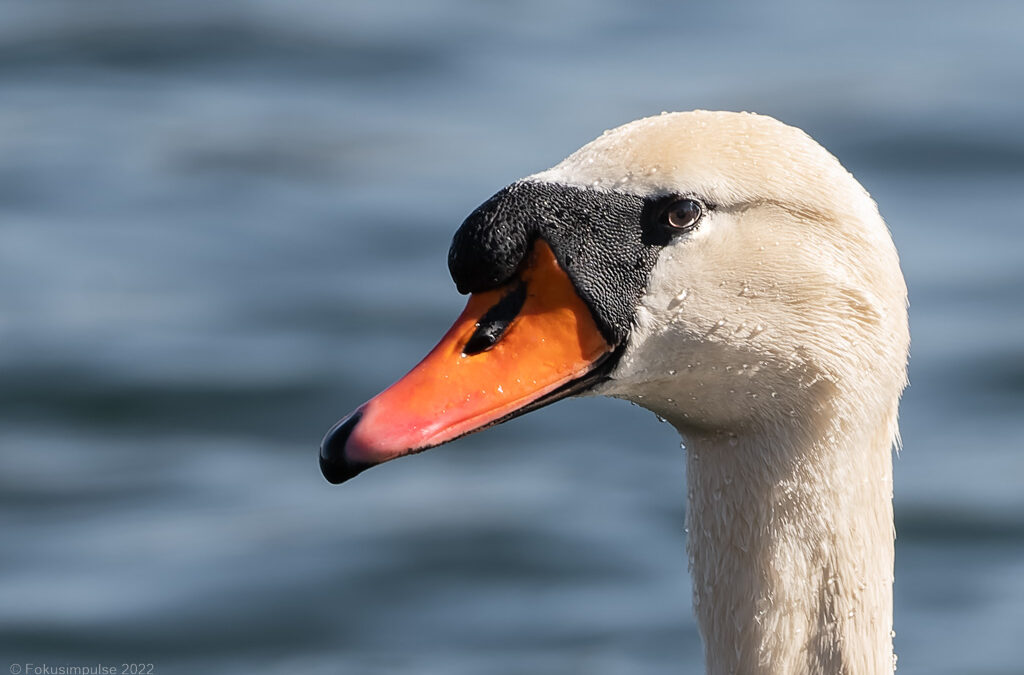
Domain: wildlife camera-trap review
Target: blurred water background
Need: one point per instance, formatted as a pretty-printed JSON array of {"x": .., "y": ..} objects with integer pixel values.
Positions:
[{"x": 224, "y": 224}]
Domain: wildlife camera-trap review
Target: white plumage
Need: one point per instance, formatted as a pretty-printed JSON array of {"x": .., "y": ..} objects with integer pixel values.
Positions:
[{"x": 774, "y": 338}]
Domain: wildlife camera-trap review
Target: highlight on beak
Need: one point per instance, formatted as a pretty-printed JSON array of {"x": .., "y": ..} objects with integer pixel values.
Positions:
[{"x": 513, "y": 349}]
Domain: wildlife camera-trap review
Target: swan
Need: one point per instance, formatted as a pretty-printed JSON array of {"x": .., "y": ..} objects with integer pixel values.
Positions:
[{"x": 726, "y": 272}]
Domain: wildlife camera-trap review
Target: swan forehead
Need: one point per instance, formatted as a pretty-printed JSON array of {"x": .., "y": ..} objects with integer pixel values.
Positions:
[{"x": 724, "y": 157}]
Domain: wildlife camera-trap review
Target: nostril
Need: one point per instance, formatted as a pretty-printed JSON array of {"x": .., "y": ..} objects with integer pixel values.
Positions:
[
  {"x": 485, "y": 337},
  {"x": 334, "y": 463},
  {"x": 493, "y": 324}
]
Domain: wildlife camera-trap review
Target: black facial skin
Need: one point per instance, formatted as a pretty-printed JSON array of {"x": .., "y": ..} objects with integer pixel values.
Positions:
[{"x": 607, "y": 242}]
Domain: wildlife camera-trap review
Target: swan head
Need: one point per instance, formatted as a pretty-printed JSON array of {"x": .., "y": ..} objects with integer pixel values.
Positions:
[{"x": 721, "y": 269}]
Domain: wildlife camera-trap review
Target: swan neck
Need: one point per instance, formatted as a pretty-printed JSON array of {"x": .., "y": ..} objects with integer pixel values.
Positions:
[{"x": 791, "y": 548}]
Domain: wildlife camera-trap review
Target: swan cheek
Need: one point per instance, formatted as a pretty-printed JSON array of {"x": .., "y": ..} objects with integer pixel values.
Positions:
[{"x": 512, "y": 350}]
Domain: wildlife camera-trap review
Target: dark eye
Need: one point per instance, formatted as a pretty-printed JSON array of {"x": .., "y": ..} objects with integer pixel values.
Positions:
[{"x": 683, "y": 214}]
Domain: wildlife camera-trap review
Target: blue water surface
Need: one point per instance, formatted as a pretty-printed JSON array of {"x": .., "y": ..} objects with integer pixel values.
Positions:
[{"x": 223, "y": 225}]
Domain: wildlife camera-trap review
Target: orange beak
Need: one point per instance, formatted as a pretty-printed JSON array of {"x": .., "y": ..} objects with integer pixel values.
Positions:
[{"x": 512, "y": 350}]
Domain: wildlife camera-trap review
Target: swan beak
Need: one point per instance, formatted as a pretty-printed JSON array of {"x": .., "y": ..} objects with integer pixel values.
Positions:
[{"x": 512, "y": 350}]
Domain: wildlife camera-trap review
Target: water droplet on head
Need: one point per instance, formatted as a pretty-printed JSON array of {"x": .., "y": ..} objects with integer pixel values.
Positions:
[
  {"x": 756, "y": 330},
  {"x": 671, "y": 372}
]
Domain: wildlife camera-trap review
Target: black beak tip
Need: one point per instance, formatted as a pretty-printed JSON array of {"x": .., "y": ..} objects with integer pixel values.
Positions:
[{"x": 334, "y": 464}]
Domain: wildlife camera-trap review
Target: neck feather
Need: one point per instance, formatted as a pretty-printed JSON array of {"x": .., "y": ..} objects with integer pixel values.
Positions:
[{"x": 791, "y": 546}]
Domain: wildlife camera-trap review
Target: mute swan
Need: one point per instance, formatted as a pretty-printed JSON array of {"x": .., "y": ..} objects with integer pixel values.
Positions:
[{"x": 724, "y": 271}]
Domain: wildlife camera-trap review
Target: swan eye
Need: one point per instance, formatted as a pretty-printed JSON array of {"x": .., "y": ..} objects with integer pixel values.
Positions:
[{"x": 684, "y": 214}]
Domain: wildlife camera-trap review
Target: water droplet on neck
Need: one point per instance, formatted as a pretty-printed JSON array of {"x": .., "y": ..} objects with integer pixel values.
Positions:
[
  {"x": 679, "y": 299},
  {"x": 756, "y": 330},
  {"x": 671, "y": 372}
]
